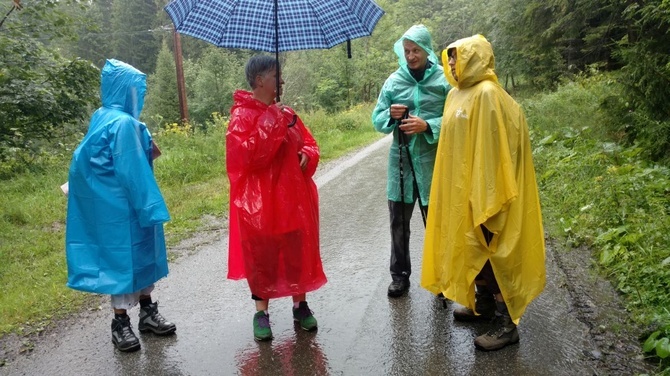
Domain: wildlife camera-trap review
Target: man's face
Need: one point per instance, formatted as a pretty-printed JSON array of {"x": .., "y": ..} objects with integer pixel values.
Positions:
[
  {"x": 268, "y": 82},
  {"x": 416, "y": 57},
  {"x": 452, "y": 63}
]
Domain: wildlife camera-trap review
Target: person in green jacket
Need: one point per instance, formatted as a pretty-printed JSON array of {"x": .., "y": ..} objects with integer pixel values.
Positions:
[{"x": 410, "y": 105}]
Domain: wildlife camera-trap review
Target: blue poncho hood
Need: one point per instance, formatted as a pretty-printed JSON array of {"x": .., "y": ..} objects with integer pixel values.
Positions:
[{"x": 123, "y": 87}]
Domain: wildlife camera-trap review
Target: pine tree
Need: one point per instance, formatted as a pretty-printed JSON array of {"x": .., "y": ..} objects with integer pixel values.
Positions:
[
  {"x": 134, "y": 39},
  {"x": 162, "y": 95}
]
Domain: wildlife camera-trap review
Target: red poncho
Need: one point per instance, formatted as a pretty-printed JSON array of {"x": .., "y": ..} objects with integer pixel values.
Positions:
[{"x": 274, "y": 213}]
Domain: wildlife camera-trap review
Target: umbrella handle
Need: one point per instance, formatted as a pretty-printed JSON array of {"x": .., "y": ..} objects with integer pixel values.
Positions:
[{"x": 276, "y": 9}]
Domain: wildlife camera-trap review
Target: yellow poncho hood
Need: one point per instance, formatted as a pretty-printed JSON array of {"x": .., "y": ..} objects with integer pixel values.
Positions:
[
  {"x": 483, "y": 175},
  {"x": 475, "y": 62}
]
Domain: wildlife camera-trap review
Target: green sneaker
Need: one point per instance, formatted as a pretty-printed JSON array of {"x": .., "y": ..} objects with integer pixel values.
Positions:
[
  {"x": 262, "y": 331},
  {"x": 304, "y": 316}
]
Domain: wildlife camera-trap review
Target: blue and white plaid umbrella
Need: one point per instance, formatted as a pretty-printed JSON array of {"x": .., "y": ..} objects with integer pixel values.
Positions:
[{"x": 273, "y": 26}]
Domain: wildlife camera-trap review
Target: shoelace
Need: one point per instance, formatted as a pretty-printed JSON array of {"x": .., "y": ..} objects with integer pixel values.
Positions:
[
  {"x": 498, "y": 327},
  {"x": 154, "y": 314},
  {"x": 126, "y": 330},
  {"x": 264, "y": 321},
  {"x": 157, "y": 317},
  {"x": 304, "y": 311}
]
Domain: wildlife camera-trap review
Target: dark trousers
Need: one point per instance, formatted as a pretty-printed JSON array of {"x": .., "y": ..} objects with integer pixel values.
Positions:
[
  {"x": 486, "y": 274},
  {"x": 400, "y": 215}
]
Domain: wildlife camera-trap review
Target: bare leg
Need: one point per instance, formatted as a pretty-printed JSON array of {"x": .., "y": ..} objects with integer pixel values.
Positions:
[
  {"x": 262, "y": 305},
  {"x": 299, "y": 298}
]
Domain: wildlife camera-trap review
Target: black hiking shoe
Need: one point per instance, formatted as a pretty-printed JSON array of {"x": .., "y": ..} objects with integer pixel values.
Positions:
[
  {"x": 122, "y": 335},
  {"x": 398, "y": 288},
  {"x": 151, "y": 320}
]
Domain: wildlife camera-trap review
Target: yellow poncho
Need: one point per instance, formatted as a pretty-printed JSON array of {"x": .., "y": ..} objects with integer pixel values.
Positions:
[{"x": 483, "y": 174}]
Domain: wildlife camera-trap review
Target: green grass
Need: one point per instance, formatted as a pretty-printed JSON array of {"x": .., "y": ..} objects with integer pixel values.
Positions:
[
  {"x": 604, "y": 195},
  {"x": 192, "y": 176},
  {"x": 340, "y": 133}
]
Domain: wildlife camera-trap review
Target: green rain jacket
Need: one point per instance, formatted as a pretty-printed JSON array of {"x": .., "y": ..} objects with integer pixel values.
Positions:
[{"x": 424, "y": 99}]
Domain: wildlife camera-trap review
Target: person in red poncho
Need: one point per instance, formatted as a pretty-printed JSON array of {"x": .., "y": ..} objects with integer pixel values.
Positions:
[{"x": 274, "y": 215}]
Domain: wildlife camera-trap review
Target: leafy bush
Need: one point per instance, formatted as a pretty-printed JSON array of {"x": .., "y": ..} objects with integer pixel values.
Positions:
[
  {"x": 341, "y": 132},
  {"x": 605, "y": 195},
  {"x": 212, "y": 80},
  {"x": 658, "y": 344}
]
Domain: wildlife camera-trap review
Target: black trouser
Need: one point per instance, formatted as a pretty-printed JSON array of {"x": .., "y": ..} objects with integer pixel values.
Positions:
[
  {"x": 401, "y": 266},
  {"x": 486, "y": 274}
]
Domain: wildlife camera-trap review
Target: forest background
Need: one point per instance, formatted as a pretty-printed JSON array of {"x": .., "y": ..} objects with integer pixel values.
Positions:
[{"x": 593, "y": 77}]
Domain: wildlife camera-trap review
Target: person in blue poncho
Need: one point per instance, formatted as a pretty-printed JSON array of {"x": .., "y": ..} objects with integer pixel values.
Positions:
[
  {"x": 410, "y": 105},
  {"x": 114, "y": 237}
]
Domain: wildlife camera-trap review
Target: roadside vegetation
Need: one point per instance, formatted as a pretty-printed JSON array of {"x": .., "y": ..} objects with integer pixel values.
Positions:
[{"x": 601, "y": 193}]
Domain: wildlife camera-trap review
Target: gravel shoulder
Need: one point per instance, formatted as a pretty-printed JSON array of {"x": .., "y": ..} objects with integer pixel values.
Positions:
[{"x": 596, "y": 303}]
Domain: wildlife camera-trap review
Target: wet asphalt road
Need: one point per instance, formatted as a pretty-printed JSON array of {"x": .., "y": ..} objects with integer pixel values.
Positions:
[{"x": 361, "y": 331}]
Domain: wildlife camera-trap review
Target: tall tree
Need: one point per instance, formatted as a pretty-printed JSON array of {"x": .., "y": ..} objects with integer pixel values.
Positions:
[
  {"x": 643, "y": 112},
  {"x": 547, "y": 40},
  {"x": 219, "y": 72},
  {"x": 162, "y": 102},
  {"x": 94, "y": 36},
  {"x": 136, "y": 38}
]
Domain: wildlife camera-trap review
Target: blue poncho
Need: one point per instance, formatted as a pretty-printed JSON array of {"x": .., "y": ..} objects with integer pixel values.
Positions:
[{"x": 114, "y": 235}]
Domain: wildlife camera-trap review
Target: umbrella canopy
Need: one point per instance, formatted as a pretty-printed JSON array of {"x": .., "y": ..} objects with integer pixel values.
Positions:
[{"x": 273, "y": 26}]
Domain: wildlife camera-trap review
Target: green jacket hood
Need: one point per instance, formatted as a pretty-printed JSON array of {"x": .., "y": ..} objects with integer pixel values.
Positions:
[
  {"x": 420, "y": 35},
  {"x": 474, "y": 62}
]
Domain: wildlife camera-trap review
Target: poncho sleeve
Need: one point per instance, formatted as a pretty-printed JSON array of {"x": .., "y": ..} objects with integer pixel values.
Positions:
[
  {"x": 310, "y": 148},
  {"x": 493, "y": 180},
  {"x": 133, "y": 170},
  {"x": 381, "y": 116}
]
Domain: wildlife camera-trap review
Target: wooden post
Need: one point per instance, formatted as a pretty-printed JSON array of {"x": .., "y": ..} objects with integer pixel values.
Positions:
[{"x": 181, "y": 86}]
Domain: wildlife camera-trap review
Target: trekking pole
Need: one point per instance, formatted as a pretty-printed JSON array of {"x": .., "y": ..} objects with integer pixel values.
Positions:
[
  {"x": 404, "y": 143},
  {"x": 401, "y": 172}
]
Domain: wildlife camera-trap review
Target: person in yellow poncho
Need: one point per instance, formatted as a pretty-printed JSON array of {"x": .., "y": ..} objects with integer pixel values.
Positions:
[{"x": 484, "y": 226}]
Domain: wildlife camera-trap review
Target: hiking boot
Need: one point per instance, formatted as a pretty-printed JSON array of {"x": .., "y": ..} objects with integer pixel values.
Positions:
[
  {"x": 398, "y": 288},
  {"x": 443, "y": 299},
  {"x": 262, "y": 331},
  {"x": 503, "y": 332},
  {"x": 151, "y": 320},
  {"x": 485, "y": 305},
  {"x": 122, "y": 335},
  {"x": 304, "y": 316}
]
